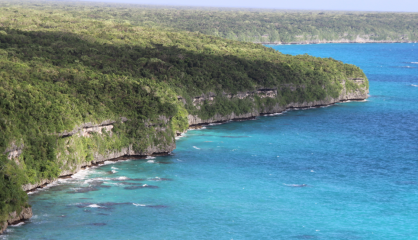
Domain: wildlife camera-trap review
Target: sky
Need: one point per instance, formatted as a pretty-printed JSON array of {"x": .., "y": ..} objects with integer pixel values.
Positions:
[{"x": 349, "y": 5}]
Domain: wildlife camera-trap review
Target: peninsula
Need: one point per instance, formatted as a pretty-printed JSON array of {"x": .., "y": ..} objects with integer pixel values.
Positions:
[{"x": 76, "y": 91}]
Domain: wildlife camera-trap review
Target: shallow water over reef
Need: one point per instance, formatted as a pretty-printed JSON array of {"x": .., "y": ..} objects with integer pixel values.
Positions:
[{"x": 348, "y": 171}]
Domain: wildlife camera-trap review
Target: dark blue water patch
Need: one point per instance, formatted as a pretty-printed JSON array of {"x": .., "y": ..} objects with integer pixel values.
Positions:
[
  {"x": 97, "y": 224},
  {"x": 140, "y": 187},
  {"x": 158, "y": 179},
  {"x": 305, "y": 237},
  {"x": 103, "y": 214},
  {"x": 130, "y": 183},
  {"x": 156, "y": 206}
]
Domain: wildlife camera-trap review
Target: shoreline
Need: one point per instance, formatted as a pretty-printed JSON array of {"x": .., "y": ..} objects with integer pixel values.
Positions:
[
  {"x": 273, "y": 113},
  {"x": 332, "y": 41},
  {"x": 191, "y": 127},
  {"x": 98, "y": 164}
]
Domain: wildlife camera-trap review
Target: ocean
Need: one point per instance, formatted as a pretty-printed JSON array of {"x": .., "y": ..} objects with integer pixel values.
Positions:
[{"x": 348, "y": 171}]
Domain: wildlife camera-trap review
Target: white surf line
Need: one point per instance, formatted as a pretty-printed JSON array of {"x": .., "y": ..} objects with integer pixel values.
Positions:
[
  {"x": 139, "y": 205},
  {"x": 80, "y": 175}
]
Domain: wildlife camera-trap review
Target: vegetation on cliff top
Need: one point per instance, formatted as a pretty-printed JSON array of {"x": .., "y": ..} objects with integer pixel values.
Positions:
[{"x": 59, "y": 70}]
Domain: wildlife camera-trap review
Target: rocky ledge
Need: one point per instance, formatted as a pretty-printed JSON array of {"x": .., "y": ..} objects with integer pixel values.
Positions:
[
  {"x": 357, "y": 95},
  {"x": 85, "y": 131},
  {"x": 15, "y": 218},
  {"x": 124, "y": 153}
]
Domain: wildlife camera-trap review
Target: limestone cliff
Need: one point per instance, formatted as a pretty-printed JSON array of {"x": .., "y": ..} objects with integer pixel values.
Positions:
[
  {"x": 14, "y": 217},
  {"x": 358, "y": 93},
  {"x": 74, "y": 150}
]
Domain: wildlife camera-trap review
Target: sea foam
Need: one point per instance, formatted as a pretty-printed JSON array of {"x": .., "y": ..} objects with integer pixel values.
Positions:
[
  {"x": 81, "y": 174},
  {"x": 93, "y": 206},
  {"x": 139, "y": 205},
  {"x": 17, "y": 225}
]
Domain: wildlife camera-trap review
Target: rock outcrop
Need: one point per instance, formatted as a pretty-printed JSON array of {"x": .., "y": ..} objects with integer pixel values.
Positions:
[{"x": 14, "y": 218}]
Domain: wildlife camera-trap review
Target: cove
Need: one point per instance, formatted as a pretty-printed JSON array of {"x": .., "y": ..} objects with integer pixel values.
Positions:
[{"x": 343, "y": 172}]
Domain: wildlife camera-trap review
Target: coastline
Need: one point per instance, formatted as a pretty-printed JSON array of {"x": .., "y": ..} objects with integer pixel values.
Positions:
[
  {"x": 97, "y": 164},
  {"x": 191, "y": 127},
  {"x": 26, "y": 213},
  {"x": 331, "y": 41},
  {"x": 268, "y": 114},
  {"x": 194, "y": 123}
]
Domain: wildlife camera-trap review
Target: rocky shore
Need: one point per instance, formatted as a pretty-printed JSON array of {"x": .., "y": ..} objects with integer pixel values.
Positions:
[
  {"x": 15, "y": 218},
  {"x": 124, "y": 154}
]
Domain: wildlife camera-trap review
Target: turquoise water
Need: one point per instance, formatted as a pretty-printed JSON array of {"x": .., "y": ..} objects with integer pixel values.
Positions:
[{"x": 348, "y": 171}]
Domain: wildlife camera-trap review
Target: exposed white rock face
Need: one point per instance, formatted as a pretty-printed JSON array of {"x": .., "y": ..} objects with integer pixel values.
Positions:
[
  {"x": 13, "y": 151},
  {"x": 85, "y": 128},
  {"x": 86, "y": 132},
  {"x": 209, "y": 97},
  {"x": 14, "y": 154}
]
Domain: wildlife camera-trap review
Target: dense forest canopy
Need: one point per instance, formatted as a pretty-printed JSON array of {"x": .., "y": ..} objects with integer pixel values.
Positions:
[
  {"x": 282, "y": 26},
  {"x": 255, "y": 25},
  {"x": 63, "y": 65}
]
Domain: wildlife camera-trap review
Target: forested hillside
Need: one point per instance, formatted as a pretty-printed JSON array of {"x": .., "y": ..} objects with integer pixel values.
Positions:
[
  {"x": 61, "y": 67},
  {"x": 277, "y": 26},
  {"x": 257, "y": 25},
  {"x": 287, "y": 27}
]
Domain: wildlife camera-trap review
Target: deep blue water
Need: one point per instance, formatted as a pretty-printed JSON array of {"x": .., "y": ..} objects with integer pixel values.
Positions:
[{"x": 348, "y": 171}]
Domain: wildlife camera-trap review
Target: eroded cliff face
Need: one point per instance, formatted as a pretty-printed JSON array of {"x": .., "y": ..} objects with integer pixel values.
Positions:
[
  {"x": 72, "y": 154},
  {"x": 357, "y": 94},
  {"x": 88, "y": 144},
  {"x": 72, "y": 168},
  {"x": 14, "y": 217}
]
